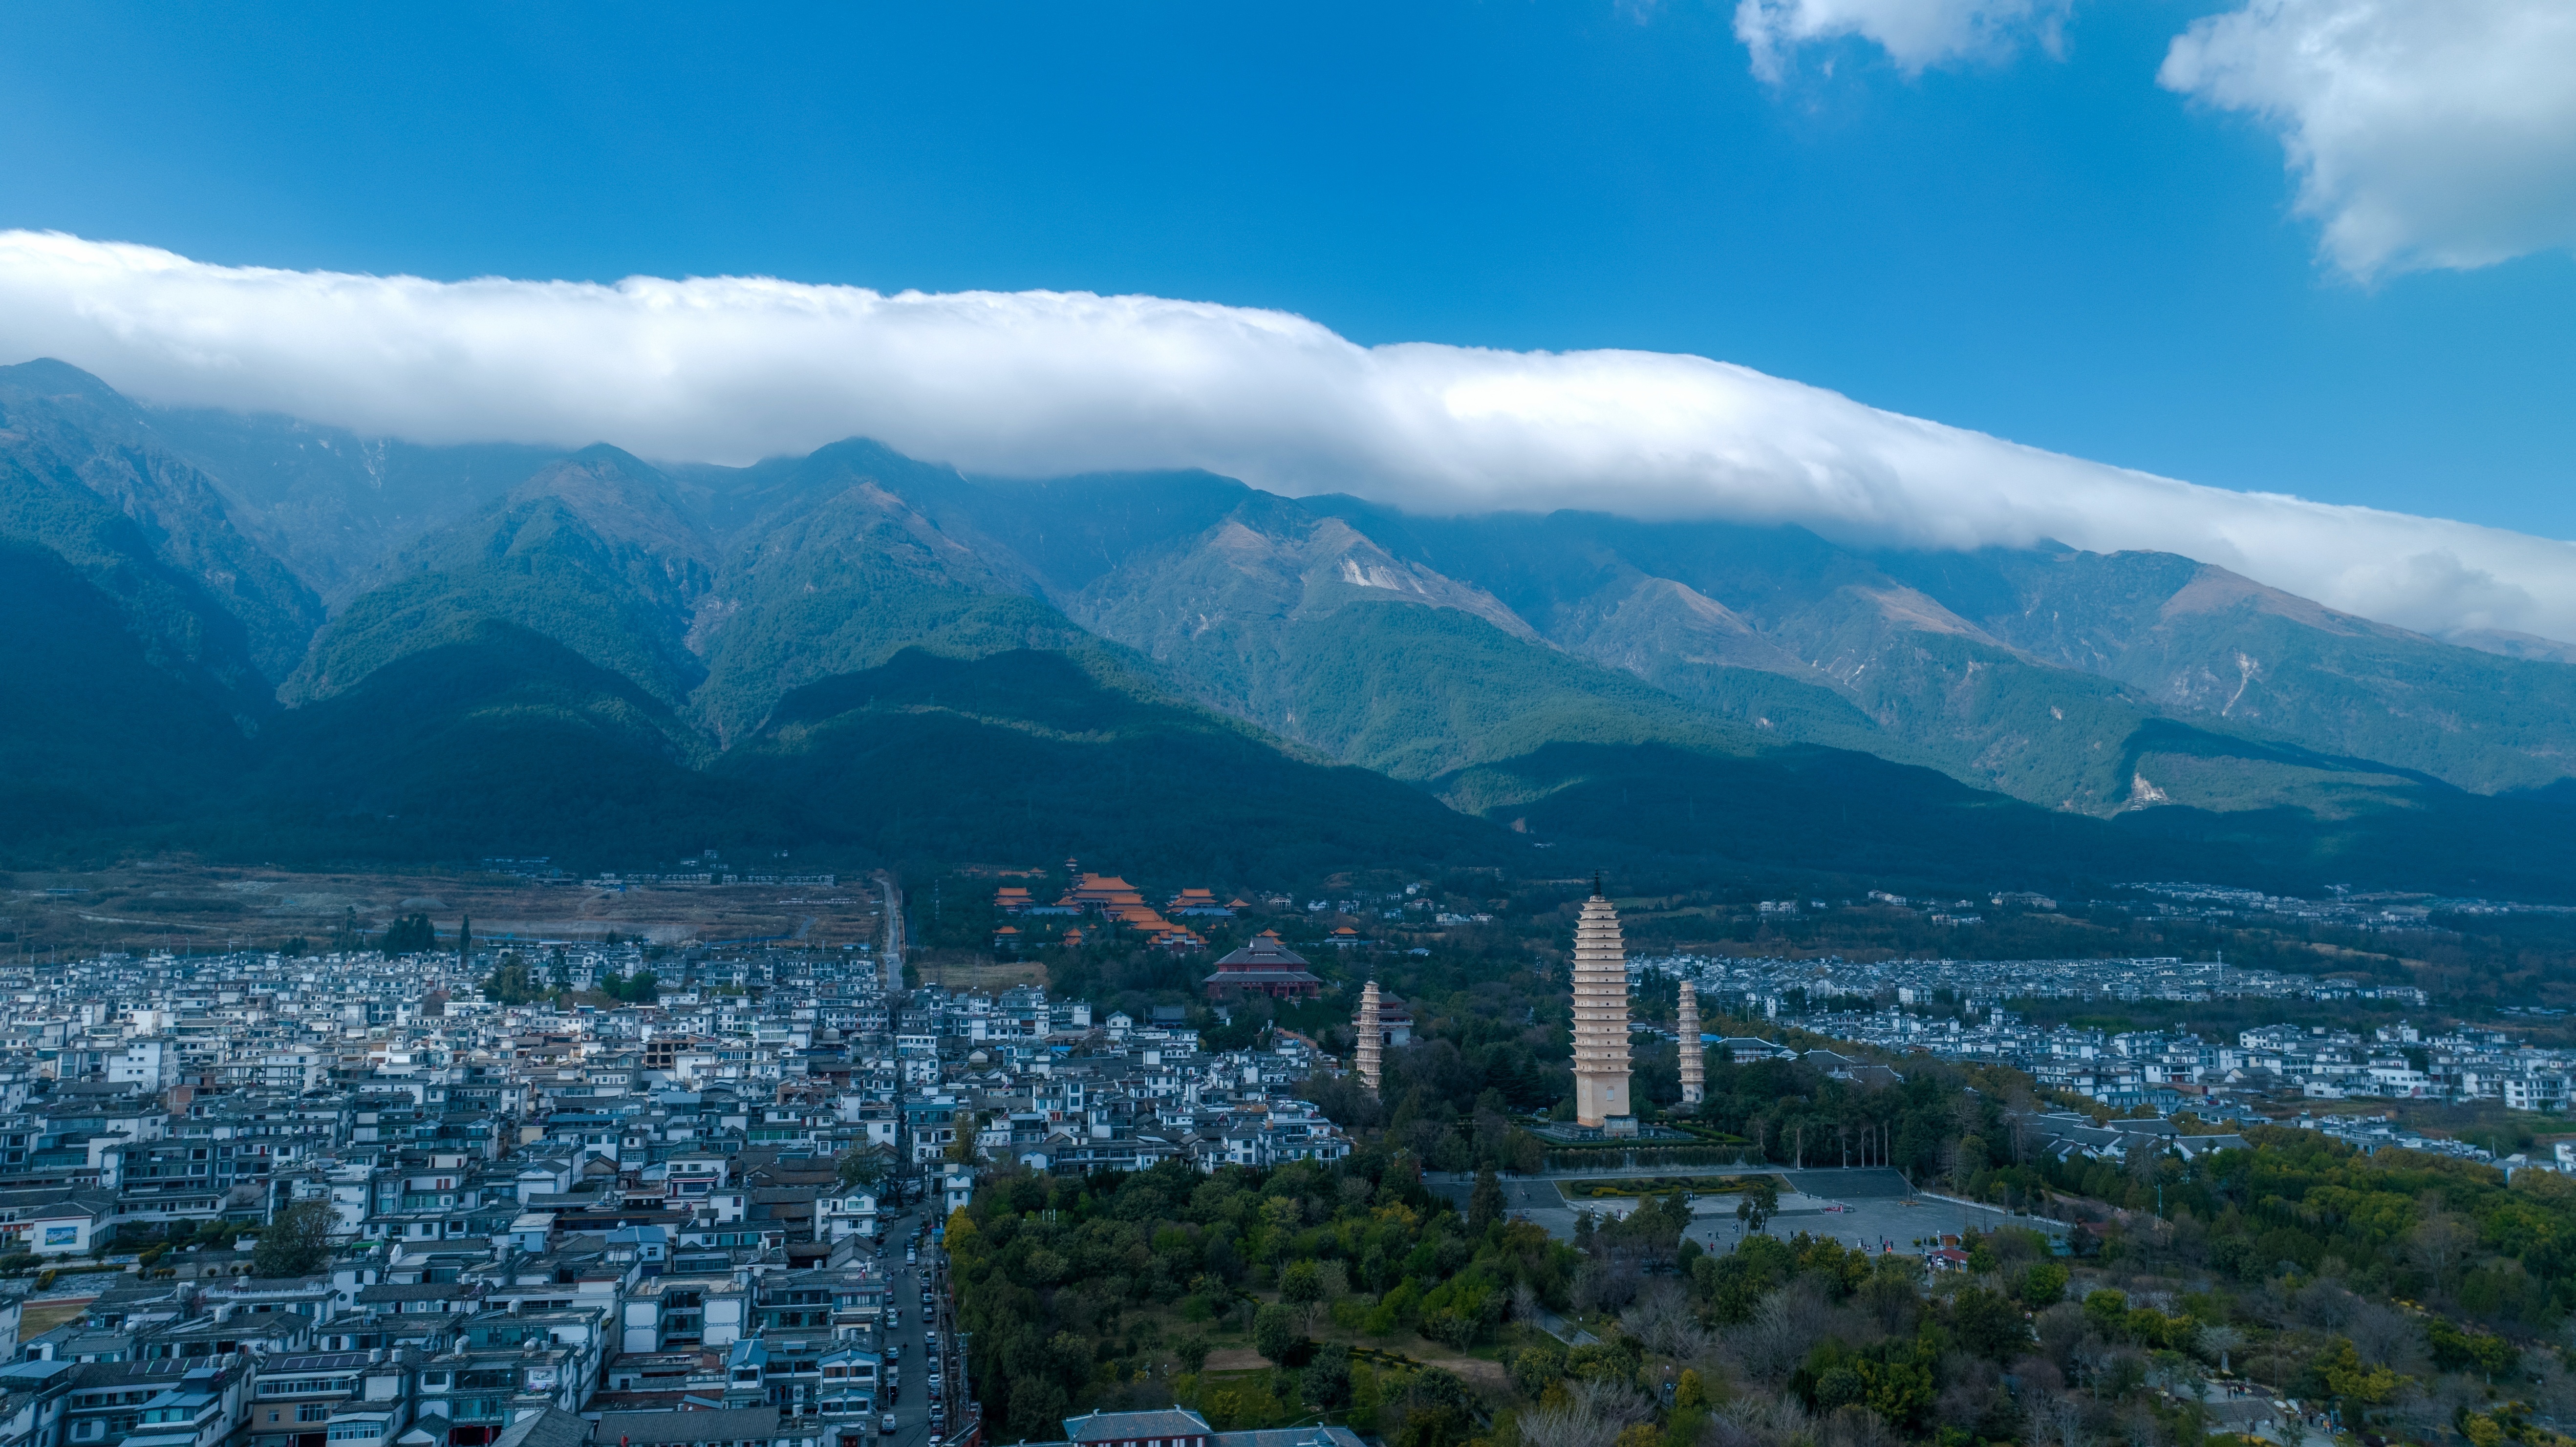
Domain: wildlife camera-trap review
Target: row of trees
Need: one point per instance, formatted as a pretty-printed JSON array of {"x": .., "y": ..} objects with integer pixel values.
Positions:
[{"x": 514, "y": 981}]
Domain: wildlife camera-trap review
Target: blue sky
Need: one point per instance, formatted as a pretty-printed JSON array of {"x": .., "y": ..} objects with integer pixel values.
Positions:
[{"x": 2054, "y": 249}]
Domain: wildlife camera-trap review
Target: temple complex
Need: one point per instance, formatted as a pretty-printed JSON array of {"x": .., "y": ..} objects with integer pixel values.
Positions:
[
  {"x": 1601, "y": 1099},
  {"x": 1694, "y": 1058}
]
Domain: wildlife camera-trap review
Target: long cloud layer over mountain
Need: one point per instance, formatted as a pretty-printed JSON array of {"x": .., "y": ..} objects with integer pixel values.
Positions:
[{"x": 730, "y": 369}]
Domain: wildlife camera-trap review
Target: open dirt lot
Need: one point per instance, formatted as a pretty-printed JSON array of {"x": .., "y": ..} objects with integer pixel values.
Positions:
[{"x": 181, "y": 907}]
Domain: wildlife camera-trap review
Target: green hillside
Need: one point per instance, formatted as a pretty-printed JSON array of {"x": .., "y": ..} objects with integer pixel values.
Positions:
[
  {"x": 1029, "y": 757},
  {"x": 838, "y": 573},
  {"x": 1655, "y": 807},
  {"x": 67, "y": 439},
  {"x": 104, "y": 745},
  {"x": 2199, "y": 641},
  {"x": 2036, "y": 673},
  {"x": 182, "y": 626},
  {"x": 1420, "y": 692},
  {"x": 2354, "y": 821},
  {"x": 1808, "y": 809},
  {"x": 334, "y": 506},
  {"x": 585, "y": 553},
  {"x": 496, "y": 741},
  {"x": 1306, "y": 627},
  {"x": 861, "y": 653}
]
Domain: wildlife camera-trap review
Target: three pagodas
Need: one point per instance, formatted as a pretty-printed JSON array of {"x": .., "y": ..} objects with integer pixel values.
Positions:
[{"x": 1601, "y": 1090}]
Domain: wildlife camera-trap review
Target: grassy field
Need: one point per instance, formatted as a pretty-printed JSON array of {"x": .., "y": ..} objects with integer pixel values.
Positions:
[
  {"x": 964, "y": 970},
  {"x": 43, "y": 1316}
]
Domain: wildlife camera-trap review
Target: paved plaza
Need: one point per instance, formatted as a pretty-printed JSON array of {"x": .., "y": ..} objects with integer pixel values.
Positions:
[{"x": 1859, "y": 1206}]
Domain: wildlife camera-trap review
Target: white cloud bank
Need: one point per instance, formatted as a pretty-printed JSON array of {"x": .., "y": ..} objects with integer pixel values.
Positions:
[
  {"x": 731, "y": 369},
  {"x": 1915, "y": 34},
  {"x": 2423, "y": 133}
]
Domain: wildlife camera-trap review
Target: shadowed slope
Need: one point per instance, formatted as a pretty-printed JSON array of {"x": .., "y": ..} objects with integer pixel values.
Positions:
[{"x": 1031, "y": 756}]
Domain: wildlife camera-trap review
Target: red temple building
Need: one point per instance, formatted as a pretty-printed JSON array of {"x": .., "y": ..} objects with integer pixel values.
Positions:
[{"x": 1264, "y": 967}]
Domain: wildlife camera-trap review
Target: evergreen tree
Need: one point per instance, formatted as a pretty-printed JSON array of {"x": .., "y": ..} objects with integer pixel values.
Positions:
[
  {"x": 512, "y": 982},
  {"x": 1274, "y": 1332},
  {"x": 412, "y": 934},
  {"x": 1485, "y": 1204}
]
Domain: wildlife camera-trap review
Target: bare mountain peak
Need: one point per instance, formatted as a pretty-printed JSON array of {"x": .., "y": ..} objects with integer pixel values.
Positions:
[
  {"x": 2506, "y": 643},
  {"x": 1343, "y": 563},
  {"x": 1701, "y": 609},
  {"x": 60, "y": 381},
  {"x": 1913, "y": 609},
  {"x": 2213, "y": 589}
]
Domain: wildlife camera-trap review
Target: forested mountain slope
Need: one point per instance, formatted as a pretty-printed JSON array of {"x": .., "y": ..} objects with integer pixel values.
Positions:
[{"x": 865, "y": 651}]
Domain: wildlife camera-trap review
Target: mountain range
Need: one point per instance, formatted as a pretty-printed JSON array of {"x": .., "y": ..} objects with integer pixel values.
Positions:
[{"x": 254, "y": 637}]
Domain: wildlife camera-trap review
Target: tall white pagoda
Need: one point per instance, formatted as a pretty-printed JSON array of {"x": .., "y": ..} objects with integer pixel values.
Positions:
[
  {"x": 1694, "y": 1059},
  {"x": 1372, "y": 1039},
  {"x": 1601, "y": 1098}
]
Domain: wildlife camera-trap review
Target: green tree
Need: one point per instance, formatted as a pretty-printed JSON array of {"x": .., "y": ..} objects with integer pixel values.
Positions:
[
  {"x": 1274, "y": 1332},
  {"x": 1485, "y": 1203},
  {"x": 1326, "y": 1383},
  {"x": 2108, "y": 1312},
  {"x": 862, "y": 1168},
  {"x": 511, "y": 982},
  {"x": 1538, "y": 1366},
  {"x": 962, "y": 1149},
  {"x": 1989, "y": 1325},
  {"x": 412, "y": 934},
  {"x": 1759, "y": 1203},
  {"x": 2043, "y": 1285},
  {"x": 1193, "y": 1352},
  {"x": 297, "y": 1240},
  {"x": 642, "y": 987},
  {"x": 2346, "y": 1376},
  {"x": 1302, "y": 1287},
  {"x": 1690, "y": 1394}
]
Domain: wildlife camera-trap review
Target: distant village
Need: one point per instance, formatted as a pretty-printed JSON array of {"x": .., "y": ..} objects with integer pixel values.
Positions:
[
  {"x": 1954, "y": 1010},
  {"x": 566, "y": 1221}
]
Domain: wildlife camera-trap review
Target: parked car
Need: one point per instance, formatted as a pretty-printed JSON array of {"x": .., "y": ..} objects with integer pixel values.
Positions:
[
  {"x": 885, "y": 1425},
  {"x": 894, "y": 1351}
]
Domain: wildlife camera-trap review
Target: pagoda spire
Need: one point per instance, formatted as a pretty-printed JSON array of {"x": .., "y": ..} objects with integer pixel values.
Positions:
[
  {"x": 1601, "y": 1098},
  {"x": 1694, "y": 1059},
  {"x": 1371, "y": 1056}
]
